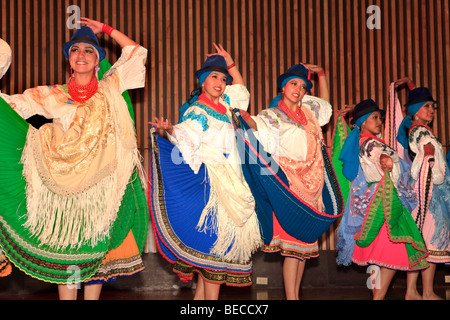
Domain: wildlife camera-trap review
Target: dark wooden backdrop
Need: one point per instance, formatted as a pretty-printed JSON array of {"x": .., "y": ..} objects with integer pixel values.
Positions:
[{"x": 264, "y": 36}]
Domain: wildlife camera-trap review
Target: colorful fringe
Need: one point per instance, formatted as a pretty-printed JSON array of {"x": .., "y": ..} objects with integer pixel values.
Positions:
[{"x": 394, "y": 117}]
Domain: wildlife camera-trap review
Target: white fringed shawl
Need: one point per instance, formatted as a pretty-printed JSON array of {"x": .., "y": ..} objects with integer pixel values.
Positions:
[{"x": 76, "y": 178}]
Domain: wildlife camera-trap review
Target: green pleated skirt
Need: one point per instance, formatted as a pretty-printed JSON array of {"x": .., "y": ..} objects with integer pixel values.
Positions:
[{"x": 64, "y": 266}]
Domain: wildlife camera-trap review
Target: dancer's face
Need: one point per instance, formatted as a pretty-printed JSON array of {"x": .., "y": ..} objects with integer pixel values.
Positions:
[
  {"x": 294, "y": 90},
  {"x": 83, "y": 58},
  {"x": 426, "y": 113},
  {"x": 373, "y": 124},
  {"x": 214, "y": 85}
]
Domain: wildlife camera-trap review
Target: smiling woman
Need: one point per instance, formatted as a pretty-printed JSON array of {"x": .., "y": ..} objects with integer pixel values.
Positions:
[
  {"x": 85, "y": 208},
  {"x": 203, "y": 211},
  {"x": 83, "y": 59}
]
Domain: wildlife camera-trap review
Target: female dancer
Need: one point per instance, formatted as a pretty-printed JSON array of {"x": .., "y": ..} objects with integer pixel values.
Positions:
[
  {"x": 431, "y": 182},
  {"x": 377, "y": 228},
  {"x": 203, "y": 210},
  {"x": 295, "y": 118},
  {"x": 85, "y": 216}
]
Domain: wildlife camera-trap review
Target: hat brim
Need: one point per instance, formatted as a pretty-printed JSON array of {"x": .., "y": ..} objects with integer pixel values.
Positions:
[
  {"x": 382, "y": 113},
  {"x": 410, "y": 104},
  {"x": 284, "y": 76},
  {"x": 198, "y": 73},
  {"x": 68, "y": 45}
]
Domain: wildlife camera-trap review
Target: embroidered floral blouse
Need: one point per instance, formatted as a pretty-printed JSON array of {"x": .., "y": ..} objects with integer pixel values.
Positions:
[
  {"x": 206, "y": 135},
  {"x": 282, "y": 136},
  {"x": 420, "y": 136},
  {"x": 370, "y": 152},
  {"x": 297, "y": 147}
]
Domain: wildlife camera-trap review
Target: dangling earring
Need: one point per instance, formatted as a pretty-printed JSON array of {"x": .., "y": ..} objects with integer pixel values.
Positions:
[
  {"x": 416, "y": 118},
  {"x": 71, "y": 73}
]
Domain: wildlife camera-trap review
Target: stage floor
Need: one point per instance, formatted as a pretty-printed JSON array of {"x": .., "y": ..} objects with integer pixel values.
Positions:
[{"x": 236, "y": 294}]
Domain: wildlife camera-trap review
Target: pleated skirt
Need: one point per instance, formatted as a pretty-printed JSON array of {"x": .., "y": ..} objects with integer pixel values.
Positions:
[
  {"x": 177, "y": 197},
  {"x": 64, "y": 266}
]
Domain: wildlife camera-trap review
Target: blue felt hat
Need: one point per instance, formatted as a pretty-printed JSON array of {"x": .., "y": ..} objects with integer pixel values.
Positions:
[
  {"x": 296, "y": 71},
  {"x": 365, "y": 107},
  {"x": 419, "y": 95},
  {"x": 214, "y": 63},
  {"x": 84, "y": 35}
]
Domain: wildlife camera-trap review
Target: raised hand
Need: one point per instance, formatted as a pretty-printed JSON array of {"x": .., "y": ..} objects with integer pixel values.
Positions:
[
  {"x": 222, "y": 52},
  {"x": 96, "y": 26}
]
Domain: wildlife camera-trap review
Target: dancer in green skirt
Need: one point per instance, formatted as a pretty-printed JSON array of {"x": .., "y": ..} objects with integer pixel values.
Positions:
[{"x": 72, "y": 198}]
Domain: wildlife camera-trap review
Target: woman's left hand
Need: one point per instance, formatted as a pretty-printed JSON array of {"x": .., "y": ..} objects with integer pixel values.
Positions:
[
  {"x": 313, "y": 68},
  {"x": 96, "y": 26}
]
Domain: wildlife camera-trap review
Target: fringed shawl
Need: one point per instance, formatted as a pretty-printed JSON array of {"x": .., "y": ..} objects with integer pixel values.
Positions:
[{"x": 76, "y": 178}]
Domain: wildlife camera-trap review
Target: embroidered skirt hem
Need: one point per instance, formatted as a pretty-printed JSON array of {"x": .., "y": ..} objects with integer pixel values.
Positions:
[
  {"x": 123, "y": 261},
  {"x": 289, "y": 246},
  {"x": 186, "y": 273},
  {"x": 175, "y": 219}
]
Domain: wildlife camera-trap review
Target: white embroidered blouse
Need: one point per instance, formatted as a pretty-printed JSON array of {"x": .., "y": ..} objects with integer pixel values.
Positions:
[{"x": 419, "y": 137}]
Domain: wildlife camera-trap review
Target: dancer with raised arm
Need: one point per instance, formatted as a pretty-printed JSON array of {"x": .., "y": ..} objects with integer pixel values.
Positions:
[
  {"x": 377, "y": 227},
  {"x": 203, "y": 210},
  {"x": 73, "y": 207}
]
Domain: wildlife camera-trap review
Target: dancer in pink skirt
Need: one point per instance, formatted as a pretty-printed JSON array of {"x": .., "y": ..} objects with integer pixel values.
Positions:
[{"x": 377, "y": 227}]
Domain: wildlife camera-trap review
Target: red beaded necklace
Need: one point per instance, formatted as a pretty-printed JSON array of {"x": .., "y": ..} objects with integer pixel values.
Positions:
[
  {"x": 80, "y": 93},
  {"x": 298, "y": 116}
]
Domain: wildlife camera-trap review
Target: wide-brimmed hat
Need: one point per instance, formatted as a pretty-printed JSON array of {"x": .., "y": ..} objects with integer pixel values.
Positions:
[
  {"x": 215, "y": 63},
  {"x": 84, "y": 35},
  {"x": 365, "y": 107},
  {"x": 296, "y": 71},
  {"x": 419, "y": 95}
]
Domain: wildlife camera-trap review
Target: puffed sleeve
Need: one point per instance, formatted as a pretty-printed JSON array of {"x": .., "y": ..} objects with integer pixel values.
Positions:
[
  {"x": 130, "y": 68},
  {"x": 5, "y": 57},
  {"x": 321, "y": 109},
  {"x": 48, "y": 101},
  {"x": 237, "y": 96},
  {"x": 279, "y": 138},
  {"x": 419, "y": 137}
]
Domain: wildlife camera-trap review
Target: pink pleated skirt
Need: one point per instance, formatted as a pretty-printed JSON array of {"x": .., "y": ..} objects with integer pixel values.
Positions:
[
  {"x": 383, "y": 253},
  {"x": 289, "y": 246}
]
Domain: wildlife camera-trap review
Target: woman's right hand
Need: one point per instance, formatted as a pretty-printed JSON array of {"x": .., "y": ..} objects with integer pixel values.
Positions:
[
  {"x": 162, "y": 124},
  {"x": 346, "y": 109}
]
